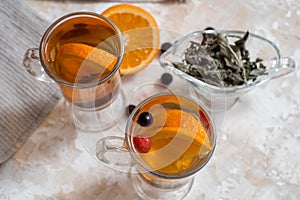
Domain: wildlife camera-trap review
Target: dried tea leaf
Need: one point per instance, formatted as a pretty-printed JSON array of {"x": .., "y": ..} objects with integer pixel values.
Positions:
[{"x": 218, "y": 62}]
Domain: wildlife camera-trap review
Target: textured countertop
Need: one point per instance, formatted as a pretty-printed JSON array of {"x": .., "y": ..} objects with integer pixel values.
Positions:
[{"x": 258, "y": 147}]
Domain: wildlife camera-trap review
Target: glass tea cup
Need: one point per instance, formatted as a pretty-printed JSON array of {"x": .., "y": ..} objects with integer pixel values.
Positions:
[
  {"x": 168, "y": 139},
  {"x": 82, "y": 52}
]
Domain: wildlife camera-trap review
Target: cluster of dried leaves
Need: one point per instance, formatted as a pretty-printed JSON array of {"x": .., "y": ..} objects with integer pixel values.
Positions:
[{"x": 217, "y": 62}]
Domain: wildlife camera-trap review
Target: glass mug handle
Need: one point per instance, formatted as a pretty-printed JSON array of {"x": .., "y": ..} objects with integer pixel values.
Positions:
[
  {"x": 112, "y": 151},
  {"x": 287, "y": 66},
  {"x": 32, "y": 64}
]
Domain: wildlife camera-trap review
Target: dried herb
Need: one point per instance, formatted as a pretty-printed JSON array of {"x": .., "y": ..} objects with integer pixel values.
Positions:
[{"x": 220, "y": 63}]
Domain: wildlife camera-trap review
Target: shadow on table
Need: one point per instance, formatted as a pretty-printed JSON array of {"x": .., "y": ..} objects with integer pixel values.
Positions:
[{"x": 116, "y": 187}]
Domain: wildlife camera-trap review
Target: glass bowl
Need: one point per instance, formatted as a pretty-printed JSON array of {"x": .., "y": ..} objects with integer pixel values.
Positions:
[{"x": 220, "y": 98}]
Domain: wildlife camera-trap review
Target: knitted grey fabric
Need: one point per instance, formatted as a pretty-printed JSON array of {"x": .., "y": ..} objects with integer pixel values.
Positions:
[{"x": 24, "y": 101}]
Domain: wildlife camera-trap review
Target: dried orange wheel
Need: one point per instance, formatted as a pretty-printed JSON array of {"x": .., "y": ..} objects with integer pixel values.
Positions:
[{"x": 140, "y": 33}]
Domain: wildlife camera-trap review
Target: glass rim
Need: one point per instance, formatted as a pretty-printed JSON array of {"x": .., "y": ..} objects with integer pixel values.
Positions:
[
  {"x": 148, "y": 169},
  {"x": 70, "y": 16}
]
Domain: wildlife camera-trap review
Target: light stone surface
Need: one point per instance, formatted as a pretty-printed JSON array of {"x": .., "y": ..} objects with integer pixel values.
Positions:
[{"x": 258, "y": 147}]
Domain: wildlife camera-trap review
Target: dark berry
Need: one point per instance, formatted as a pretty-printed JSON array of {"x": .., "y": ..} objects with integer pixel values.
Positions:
[
  {"x": 145, "y": 119},
  {"x": 210, "y": 33},
  {"x": 142, "y": 143},
  {"x": 166, "y": 78},
  {"x": 165, "y": 46},
  {"x": 209, "y": 28},
  {"x": 129, "y": 109}
]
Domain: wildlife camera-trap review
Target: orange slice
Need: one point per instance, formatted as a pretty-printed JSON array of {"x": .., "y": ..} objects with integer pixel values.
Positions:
[
  {"x": 79, "y": 61},
  {"x": 84, "y": 51},
  {"x": 140, "y": 33},
  {"x": 173, "y": 150},
  {"x": 195, "y": 143},
  {"x": 182, "y": 120}
]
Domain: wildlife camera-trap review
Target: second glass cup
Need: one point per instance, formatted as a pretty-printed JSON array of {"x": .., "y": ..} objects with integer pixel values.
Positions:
[
  {"x": 82, "y": 53},
  {"x": 169, "y": 139}
]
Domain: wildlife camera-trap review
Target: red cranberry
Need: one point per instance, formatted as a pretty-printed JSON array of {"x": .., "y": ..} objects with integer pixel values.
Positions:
[{"x": 142, "y": 143}]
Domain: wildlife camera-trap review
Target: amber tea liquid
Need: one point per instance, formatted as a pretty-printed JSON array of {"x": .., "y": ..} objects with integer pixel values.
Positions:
[
  {"x": 81, "y": 53},
  {"x": 181, "y": 136}
]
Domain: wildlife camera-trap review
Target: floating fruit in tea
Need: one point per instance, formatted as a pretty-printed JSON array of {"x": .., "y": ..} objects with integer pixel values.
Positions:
[
  {"x": 185, "y": 120},
  {"x": 142, "y": 143},
  {"x": 174, "y": 150},
  {"x": 83, "y": 63},
  {"x": 145, "y": 119},
  {"x": 178, "y": 140}
]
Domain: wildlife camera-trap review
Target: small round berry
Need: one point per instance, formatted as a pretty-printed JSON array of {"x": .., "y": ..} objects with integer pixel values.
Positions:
[
  {"x": 209, "y": 28},
  {"x": 166, "y": 78},
  {"x": 142, "y": 143},
  {"x": 165, "y": 46},
  {"x": 145, "y": 119},
  {"x": 210, "y": 33},
  {"x": 129, "y": 109}
]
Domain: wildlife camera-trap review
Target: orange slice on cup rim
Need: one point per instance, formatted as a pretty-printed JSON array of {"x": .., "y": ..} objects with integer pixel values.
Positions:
[{"x": 140, "y": 33}]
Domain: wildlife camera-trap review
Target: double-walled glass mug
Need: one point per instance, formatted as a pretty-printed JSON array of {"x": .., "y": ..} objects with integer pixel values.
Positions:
[
  {"x": 168, "y": 139},
  {"x": 82, "y": 53}
]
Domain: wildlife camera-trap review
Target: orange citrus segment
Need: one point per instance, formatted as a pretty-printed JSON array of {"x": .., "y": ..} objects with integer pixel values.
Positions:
[
  {"x": 193, "y": 142},
  {"x": 140, "y": 33},
  {"x": 179, "y": 119},
  {"x": 173, "y": 150},
  {"x": 84, "y": 51},
  {"x": 80, "y": 61}
]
